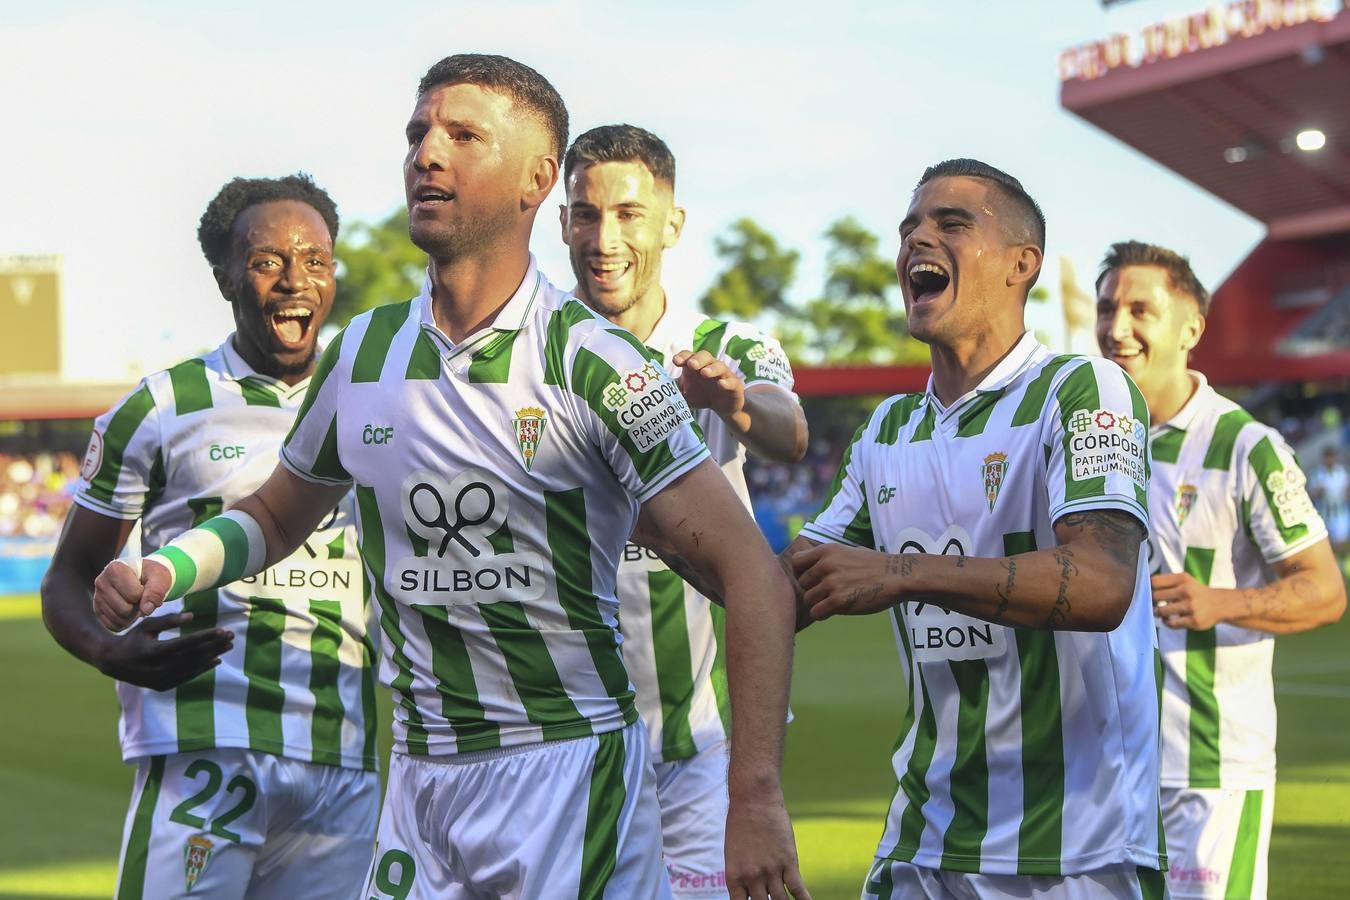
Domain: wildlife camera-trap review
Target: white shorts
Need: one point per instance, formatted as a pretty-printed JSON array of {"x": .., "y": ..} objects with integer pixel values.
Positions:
[
  {"x": 230, "y": 823},
  {"x": 693, "y": 797},
  {"x": 891, "y": 880},
  {"x": 574, "y": 818},
  {"x": 1218, "y": 841}
]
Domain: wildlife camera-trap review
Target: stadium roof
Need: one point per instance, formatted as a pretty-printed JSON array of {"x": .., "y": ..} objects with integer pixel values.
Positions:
[
  {"x": 1219, "y": 97},
  {"x": 28, "y": 399}
]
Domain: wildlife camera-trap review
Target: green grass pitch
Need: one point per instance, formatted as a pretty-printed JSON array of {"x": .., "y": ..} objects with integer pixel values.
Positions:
[{"x": 65, "y": 792}]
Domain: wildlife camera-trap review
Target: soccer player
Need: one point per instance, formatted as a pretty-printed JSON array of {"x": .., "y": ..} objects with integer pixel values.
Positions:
[
  {"x": 247, "y": 706},
  {"x": 1239, "y": 555},
  {"x": 998, "y": 518},
  {"x": 501, "y": 438},
  {"x": 619, "y": 218}
]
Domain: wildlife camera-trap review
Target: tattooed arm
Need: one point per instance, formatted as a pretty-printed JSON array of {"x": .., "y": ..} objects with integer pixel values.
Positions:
[
  {"x": 1308, "y": 591},
  {"x": 1085, "y": 583}
]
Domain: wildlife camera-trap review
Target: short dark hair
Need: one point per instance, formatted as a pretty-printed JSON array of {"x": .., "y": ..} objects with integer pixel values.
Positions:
[
  {"x": 621, "y": 143},
  {"x": 1180, "y": 275},
  {"x": 504, "y": 75},
  {"x": 213, "y": 232},
  {"x": 1033, "y": 220}
]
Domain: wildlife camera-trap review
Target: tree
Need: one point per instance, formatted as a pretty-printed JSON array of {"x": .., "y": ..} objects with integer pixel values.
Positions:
[
  {"x": 757, "y": 276},
  {"x": 377, "y": 264},
  {"x": 858, "y": 318}
]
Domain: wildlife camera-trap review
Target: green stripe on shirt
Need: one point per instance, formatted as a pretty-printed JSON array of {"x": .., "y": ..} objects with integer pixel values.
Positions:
[
  {"x": 969, "y": 776},
  {"x": 372, "y": 554},
  {"x": 533, "y": 672},
  {"x": 674, "y": 663},
  {"x": 327, "y": 360},
  {"x": 1266, "y": 463},
  {"x": 1201, "y": 657},
  {"x": 121, "y": 428},
  {"x": 325, "y": 647},
  {"x": 262, "y": 668},
  {"x": 1033, "y": 398},
  {"x": 1078, "y": 394},
  {"x": 569, "y": 544},
  {"x": 191, "y": 390},
  {"x": 384, "y": 323},
  {"x": 1219, "y": 455}
]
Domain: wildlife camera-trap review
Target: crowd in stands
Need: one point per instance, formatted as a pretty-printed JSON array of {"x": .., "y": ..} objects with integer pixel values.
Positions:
[{"x": 35, "y": 492}]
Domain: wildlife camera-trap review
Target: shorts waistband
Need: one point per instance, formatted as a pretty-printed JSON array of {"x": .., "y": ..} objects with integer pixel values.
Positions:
[{"x": 481, "y": 756}]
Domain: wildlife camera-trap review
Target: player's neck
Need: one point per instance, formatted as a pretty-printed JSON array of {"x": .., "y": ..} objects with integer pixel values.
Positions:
[
  {"x": 468, "y": 293},
  {"x": 642, "y": 316},
  {"x": 959, "y": 367},
  {"x": 1167, "y": 399}
]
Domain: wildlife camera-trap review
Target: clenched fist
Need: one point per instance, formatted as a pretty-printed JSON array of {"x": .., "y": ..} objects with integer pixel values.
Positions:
[{"x": 125, "y": 590}]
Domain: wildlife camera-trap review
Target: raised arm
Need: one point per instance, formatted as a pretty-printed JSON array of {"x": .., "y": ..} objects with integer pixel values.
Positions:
[
  {"x": 263, "y": 528},
  {"x": 88, "y": 542},
  {"x": 1084, "y": 583},
  {"x": 764, "y": 417},
  {"x": 1308, "y": 592},
  {"x": 699, "y": 518}
]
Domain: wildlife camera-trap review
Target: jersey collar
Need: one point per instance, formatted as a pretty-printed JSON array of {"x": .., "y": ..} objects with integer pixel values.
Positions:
[
  {"x": 1187, "y": 415},
  {"x": 512, "y": 317},
  {"x": 238, "y": 369},
  {"x": 1023, "y": 354}
]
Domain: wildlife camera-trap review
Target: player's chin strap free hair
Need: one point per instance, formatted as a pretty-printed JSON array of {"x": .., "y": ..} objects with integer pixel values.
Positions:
[{"x": 220, "y": 550}]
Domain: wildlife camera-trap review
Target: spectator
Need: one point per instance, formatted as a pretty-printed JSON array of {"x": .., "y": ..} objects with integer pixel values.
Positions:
[{"x": 1329, "y": 489}]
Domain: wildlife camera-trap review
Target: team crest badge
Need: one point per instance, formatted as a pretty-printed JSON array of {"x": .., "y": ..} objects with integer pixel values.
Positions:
[
  {"x": 529, "y": 423},
  {"x": 1186, "y": 495},
  {"x": 196, "y": 855},
  {"x": 995, "y": 467}
]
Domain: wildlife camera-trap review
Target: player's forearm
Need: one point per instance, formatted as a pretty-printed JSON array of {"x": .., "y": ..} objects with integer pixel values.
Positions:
[
  {"x": 1065, "y": 588},
  {"x": 1297, "y": 602},
  {"x": 759, "y": 629},
  {"x": 771, "y": 425},
  {"x": 68, "y": 613}
]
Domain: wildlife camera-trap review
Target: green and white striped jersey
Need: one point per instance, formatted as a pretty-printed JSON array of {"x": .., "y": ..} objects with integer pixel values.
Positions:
[
  {"x": 496, "y": 482},
  {"x": 1022, "y": 751},
  {"x": 299, "y": 680},
  {"x": 672, "y": 633},
  {"x": 1227, "y": 499}
]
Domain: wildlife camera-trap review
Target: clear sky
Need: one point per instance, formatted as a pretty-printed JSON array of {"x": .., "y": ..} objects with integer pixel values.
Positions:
[{"x": 120, "y": 123}]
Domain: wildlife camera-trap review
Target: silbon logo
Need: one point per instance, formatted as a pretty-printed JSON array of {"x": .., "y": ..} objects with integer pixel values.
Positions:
[{"x": 461, "y": 521}]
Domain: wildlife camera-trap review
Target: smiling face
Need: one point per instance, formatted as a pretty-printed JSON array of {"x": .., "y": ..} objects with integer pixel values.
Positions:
[
  {"x": 618, "y": 221},
  {"x": 959, "y": 272},
  {"x": 471, "y": 157},
  {"x": 279, "y": 278},
  {"x": 1147, "y": 327}
]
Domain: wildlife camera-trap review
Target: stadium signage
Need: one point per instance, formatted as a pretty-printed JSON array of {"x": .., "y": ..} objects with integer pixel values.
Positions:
[{"x": 1220, "y": 24}]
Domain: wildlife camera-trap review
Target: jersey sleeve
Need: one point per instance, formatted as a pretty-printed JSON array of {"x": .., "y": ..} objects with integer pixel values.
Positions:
[
  {"x": 123, "y": 469},
  {"x": 844, "y": 518},
  {"x": 1096, "y": 439},
  {"x": 311, "y": 448},
  {"x": 758, "y": 358},
  {"x": 1276, "y": 510},
  {"x": 645, "y": 429}
]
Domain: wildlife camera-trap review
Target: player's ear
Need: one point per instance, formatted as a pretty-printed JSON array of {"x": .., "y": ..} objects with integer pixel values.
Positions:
[
  {"x": 222, "y": 282},
  {"x": 1026, "y": 265},
  {"x": 541, "y": 173},
  {"x": 1192, "y": 329},
  {"x": 674, "y": 226}
]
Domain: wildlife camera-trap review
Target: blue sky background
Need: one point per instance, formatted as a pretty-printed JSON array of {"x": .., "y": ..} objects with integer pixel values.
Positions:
[{"x": 121, "y": 123}]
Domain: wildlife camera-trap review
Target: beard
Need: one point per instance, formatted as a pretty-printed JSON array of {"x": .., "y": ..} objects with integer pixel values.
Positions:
[{"x": 460, "y": 238}]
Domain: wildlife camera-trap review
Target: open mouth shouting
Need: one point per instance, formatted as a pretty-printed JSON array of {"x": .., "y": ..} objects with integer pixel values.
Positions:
[
  {"x": 927, "y": 281},
  {"x": 291, "y": 326}
]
